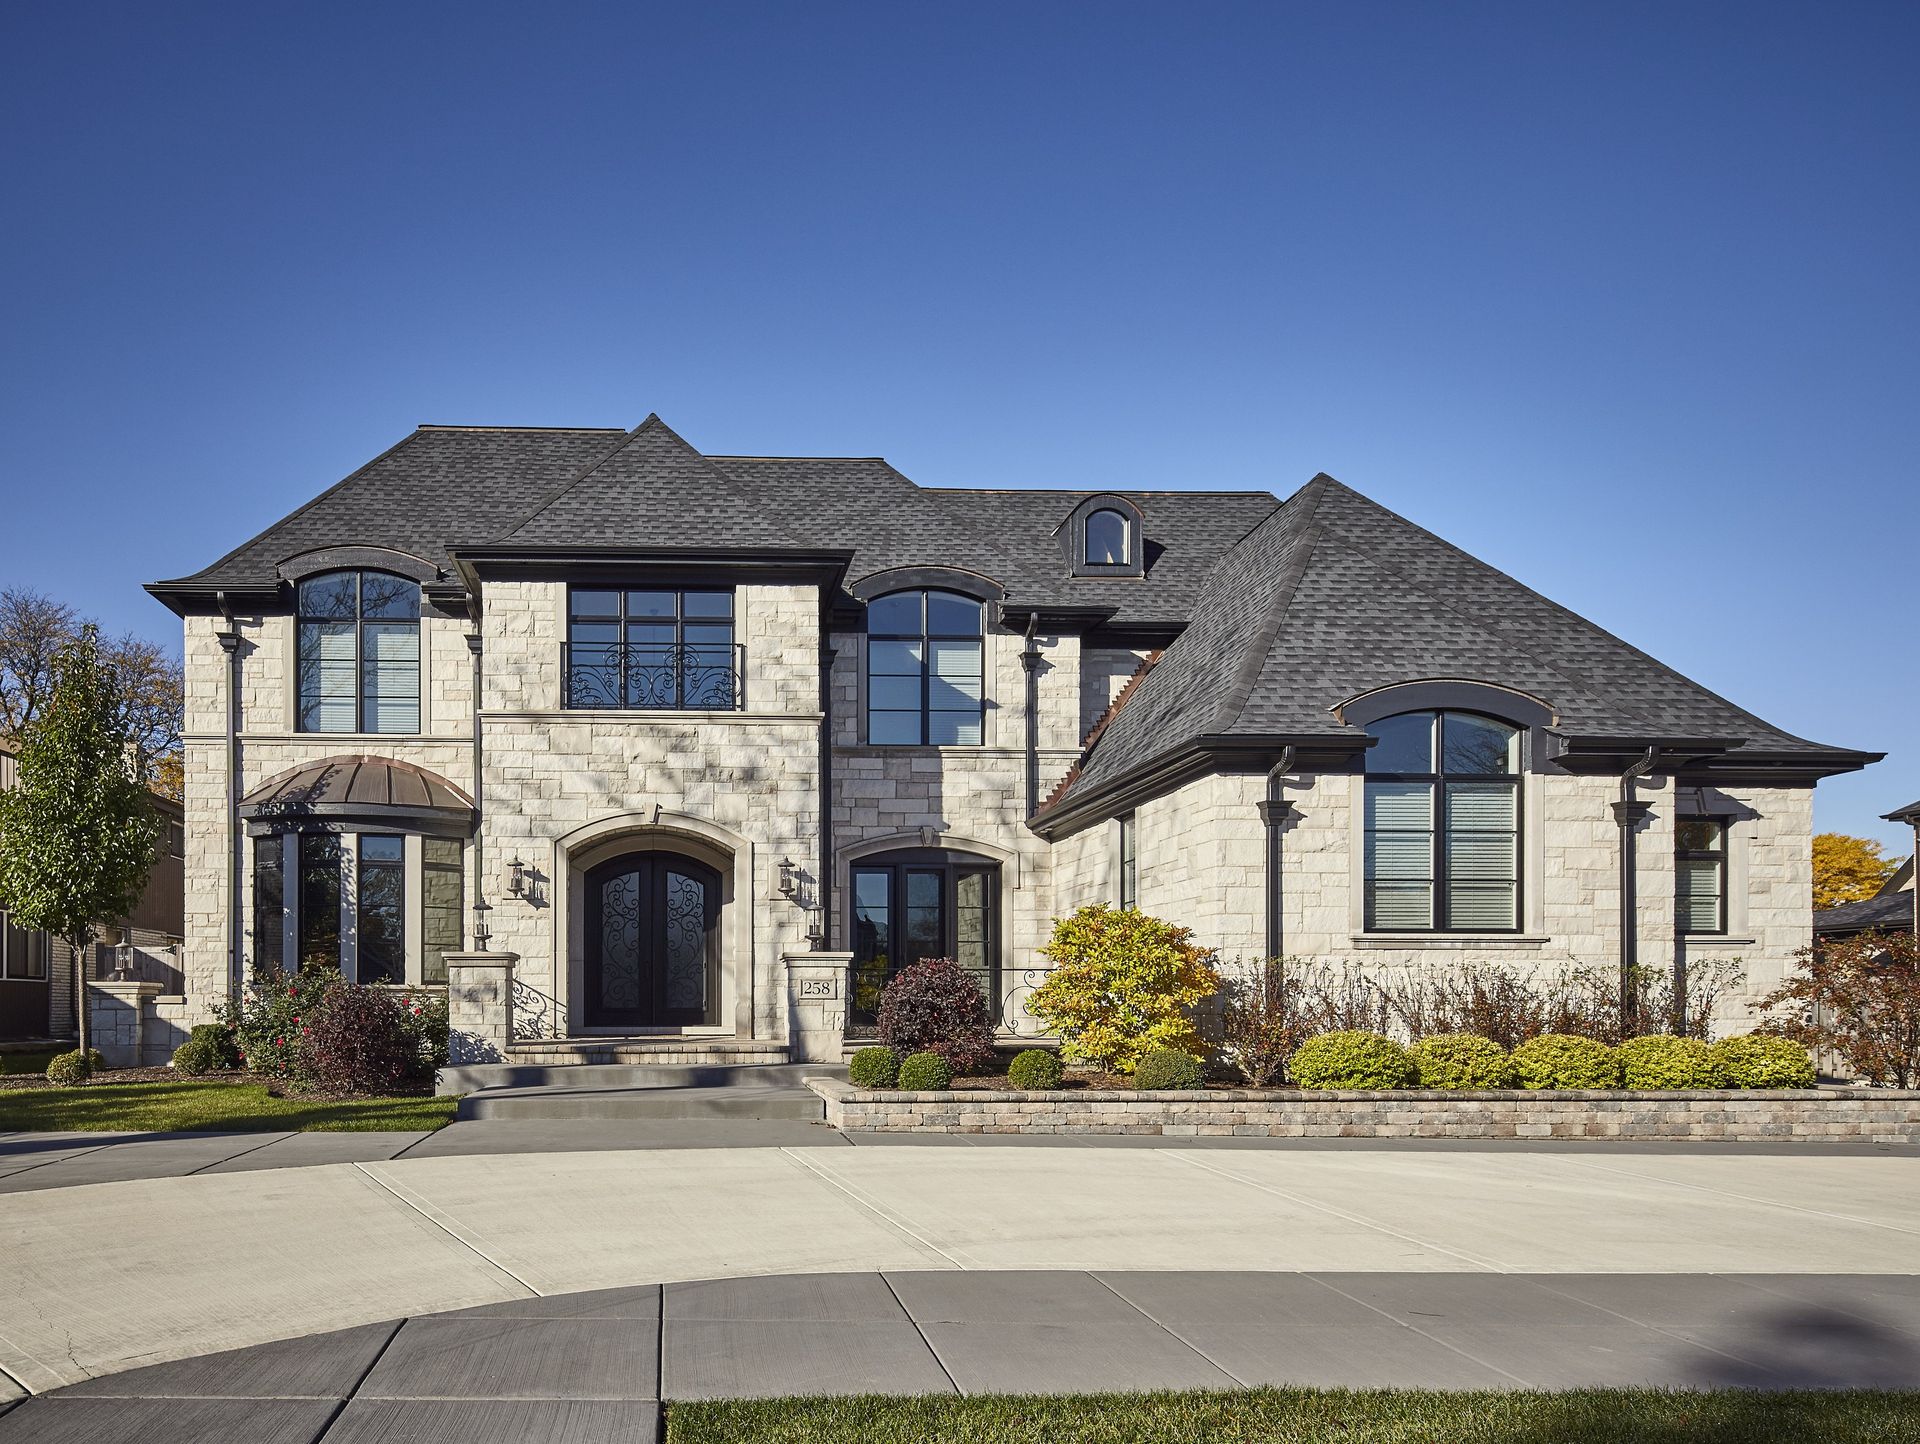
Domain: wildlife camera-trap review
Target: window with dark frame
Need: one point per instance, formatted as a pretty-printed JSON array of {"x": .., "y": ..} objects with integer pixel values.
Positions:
[
  {"x": 370, "y": 873},
  {"x": 319, "y": 901},
  {"x": 926, "y": 670},
  {"x": 911, "y": 906},
  {"x": 380, "y": 910},
  {"x": 1108, "y": 539},
  {"x": 653, "y": 649},
  {"x": 1443, "y": 824},
  {"x": 1129, "y": 863},
  {"x": 1700, "y": 875},
  {"x": 358, "y": 653},
  {"x": 269, "y": 902},
  {"x": 23, "y": 952},
  {"x": 442, "y": 905}
]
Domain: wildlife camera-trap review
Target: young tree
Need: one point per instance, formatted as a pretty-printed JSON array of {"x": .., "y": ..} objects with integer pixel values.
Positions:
[
  {"x": 1847, "y": 869},
  {"x": 77, "y": 833},
  {"x": 1858, "y": 997}
]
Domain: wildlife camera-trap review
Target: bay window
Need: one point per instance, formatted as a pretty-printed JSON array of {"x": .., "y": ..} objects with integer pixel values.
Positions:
[{"x": 378, "y": 907}]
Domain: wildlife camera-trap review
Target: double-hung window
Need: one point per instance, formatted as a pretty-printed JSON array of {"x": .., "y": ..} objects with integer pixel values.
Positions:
[
  {"x": 1700, "y": 874},
  {"x": 359, "y": 653},
  {"x": 925, "y": 670},
  {"x": 1443, "y": 824},
  {"x": 647, "y": 650}
]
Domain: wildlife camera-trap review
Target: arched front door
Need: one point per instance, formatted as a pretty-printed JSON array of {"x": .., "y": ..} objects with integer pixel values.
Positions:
[{"x": 653, "y": 942}]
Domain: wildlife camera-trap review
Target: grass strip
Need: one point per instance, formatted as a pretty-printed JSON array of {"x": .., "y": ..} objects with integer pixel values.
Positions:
[
  {"x": 1313, "y": 1416},
  {"x": 215, "y": 1107}
]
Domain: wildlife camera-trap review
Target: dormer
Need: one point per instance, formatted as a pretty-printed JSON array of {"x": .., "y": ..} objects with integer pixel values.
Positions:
[{"x": 1104, "y": 537}]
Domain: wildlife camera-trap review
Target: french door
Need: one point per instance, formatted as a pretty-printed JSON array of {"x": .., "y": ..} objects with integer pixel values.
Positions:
[{"x": 653, "y": 942}]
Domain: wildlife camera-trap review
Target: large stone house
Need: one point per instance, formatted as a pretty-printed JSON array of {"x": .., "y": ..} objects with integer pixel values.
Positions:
[{"x": 708, "y": 746}]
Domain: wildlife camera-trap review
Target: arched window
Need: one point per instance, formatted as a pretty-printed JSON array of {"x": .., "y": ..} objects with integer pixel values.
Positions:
[
  {"x": 914, "y": 905},
  {"x": 1109, "y": 543},
  {"x": 1443, "y": 824},
  {"x": 359, "y": 653},
  {"x": 925, "y": 670}
]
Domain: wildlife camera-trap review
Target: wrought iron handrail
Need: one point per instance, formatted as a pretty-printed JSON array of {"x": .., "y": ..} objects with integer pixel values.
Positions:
[{"x": 658, "y": 676}]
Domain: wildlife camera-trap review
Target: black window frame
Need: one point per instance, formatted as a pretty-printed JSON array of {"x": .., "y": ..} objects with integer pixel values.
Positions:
[
  {"x": 313, "y": 872},
  {"x": 1719, "y": 858},
  {"x": 34, "y": 952},
  {"x": 1439, "y": 880},
  {"x": 1129, "y": 543},
  {"x": 270, "y": 901},
  {"x": 573, "y": 671},
  {"x": 360, "y": 621},
  {"x": 1128, "y": 847},
  {"x": 926, "y": 636},
  {"x": 393, "y": 965},
  {"x": 950, "y": 865}
]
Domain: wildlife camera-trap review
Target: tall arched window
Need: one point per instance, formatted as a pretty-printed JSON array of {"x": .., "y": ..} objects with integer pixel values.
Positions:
[
  {"x": 1108, "y": 542},
  {"x": 359, "y": 653},
  {"x": 925, "y": 669},
  {"x": 1443, "y": 824}
]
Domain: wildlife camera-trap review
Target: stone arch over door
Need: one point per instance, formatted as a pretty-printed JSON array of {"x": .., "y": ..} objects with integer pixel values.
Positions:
[{"x": 726, "y": 853}]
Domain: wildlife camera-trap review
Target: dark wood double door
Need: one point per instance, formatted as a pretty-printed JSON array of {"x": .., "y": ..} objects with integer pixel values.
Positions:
[{"x": 652, "y": 942}]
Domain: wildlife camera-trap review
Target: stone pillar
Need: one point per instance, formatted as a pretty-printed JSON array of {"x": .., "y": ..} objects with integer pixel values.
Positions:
[
  {"x": 479, "y": 1006},
  {"x": 116, "y": 1017},
  {"x": 817, "y": 1005}
]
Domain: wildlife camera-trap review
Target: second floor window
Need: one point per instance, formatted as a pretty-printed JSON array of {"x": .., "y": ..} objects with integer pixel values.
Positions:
[
  {"x": 1700, "y": 874},
  {"x": 359, "y": 653},
  {"x": 1107, "y": 541},
  {"x": 651, "y": 650},
  {"x": 925, "y": 670},
  {"x": 1129, "y": 863},
  {"x": 1443, "y": 824}
]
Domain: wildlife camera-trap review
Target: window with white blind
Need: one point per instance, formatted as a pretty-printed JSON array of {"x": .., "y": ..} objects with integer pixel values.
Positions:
[
  {"x": 359, "y": 653},
  {"x": 1700, "y": 874},
  {"x": 1443, "y": 824},
  {"x": 925, "y": 670}
]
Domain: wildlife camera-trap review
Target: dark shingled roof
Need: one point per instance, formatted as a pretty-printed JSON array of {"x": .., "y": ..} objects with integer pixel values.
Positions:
[
  {"x": 445, "y": 488},
  {"x": 1333, "y": 595},
  {"x": 1888, "y": 910}
]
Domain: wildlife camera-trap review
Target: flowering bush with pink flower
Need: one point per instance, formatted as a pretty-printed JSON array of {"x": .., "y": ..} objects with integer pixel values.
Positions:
[{"x": 316, "y": 1030}]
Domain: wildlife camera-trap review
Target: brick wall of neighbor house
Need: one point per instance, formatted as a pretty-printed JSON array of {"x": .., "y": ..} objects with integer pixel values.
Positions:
[{"x": 751, "y": 778}]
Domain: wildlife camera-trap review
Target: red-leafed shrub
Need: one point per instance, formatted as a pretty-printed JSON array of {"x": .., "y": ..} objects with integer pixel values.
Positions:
[
  {"x": 359, "y": 1040},
  {"x": 937, "y": 1007}
]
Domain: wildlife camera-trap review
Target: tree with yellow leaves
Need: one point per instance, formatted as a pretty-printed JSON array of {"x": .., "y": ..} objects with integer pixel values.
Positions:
[{"x": 1847, "y": 869}]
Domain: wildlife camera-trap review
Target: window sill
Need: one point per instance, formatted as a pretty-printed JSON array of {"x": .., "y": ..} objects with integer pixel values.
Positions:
[
  {"x": 1449, "y": 940},
  {"x": 1715, "y": 940}
]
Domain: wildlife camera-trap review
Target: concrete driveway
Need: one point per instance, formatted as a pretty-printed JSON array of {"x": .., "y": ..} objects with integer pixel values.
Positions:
[{"x": 101, "y": 1277}]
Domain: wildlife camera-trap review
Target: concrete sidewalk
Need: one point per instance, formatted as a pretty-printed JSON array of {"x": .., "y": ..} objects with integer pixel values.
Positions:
[
  {"x": 593, "y": 1368},
  {"x": 104, "y": 1277}
]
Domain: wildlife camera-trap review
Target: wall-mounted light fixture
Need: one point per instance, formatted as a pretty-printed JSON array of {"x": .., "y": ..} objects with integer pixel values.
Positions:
[
  {"x": 517, "y": 878},
  {"x": 789, "y": 879}
]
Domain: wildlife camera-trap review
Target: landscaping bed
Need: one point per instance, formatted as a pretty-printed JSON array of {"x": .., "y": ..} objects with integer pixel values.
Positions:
[
  {"x": 240, "y": 1104},
  {"x": 1309, "y": 1416}
]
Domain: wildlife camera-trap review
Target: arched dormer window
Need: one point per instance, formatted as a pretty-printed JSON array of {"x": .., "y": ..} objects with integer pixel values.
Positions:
[
  {"x": 1103, "y": 537},
  {"x": 1443, "y": 823},
  {"x": 926, "y": 669},
  {"x": 358, "y": 645},
  {"x": 1109, "y": 540}
]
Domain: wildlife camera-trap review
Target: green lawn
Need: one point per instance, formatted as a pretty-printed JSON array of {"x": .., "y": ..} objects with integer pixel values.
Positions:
[
  {"x": 1310, "y": 1416},
  {"x": 208, "y": 1106}
]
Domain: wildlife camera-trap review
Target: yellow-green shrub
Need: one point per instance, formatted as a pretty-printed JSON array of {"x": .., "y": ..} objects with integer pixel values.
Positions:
[
  {"x": 1122, "y": 983},
  {"x": 1462, "y": 1060},
  {"x": 1352, "y": 1059},
  {"x": 1660, "y": 1060},
  {"x": 1560, "y": 1060},
  {"x": 1760, "y": 1060}
]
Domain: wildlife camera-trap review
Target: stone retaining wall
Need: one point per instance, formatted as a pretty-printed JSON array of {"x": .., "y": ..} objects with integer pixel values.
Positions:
[{"x": 1826, "y": 1115}]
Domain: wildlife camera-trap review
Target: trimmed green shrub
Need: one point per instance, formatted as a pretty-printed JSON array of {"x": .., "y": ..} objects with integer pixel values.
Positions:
[
  {"x": 1036, "y": 1070},
  {"x": 68, "y": 1069},
  {"x": 1352, "y": 1059},
  {"x": 1660, "y": 1060},
  {"x": 874, "y": 1068},
  {"x": 1560, "y": 1060},
  {"x": 1760, "y": 1060},
  {"x": 1166, "y": 1068},
  {"x": 219, "y": 1039},
  {"x": 1462, "y": 1060},
  {"x": 925, "y": 1073},
  {"x": 193, "y": 1058}
]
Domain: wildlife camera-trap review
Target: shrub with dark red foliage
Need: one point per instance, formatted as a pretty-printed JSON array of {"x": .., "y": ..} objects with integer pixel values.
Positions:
[
  {"x": 937, "y": 1007},
  {"x": 359, "y": 1040}
]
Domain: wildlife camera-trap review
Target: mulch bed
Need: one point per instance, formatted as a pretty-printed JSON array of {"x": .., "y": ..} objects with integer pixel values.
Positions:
[{"x": 1077, "y": 1080}]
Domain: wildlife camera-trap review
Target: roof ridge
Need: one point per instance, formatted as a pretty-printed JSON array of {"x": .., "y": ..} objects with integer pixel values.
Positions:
[
  {"x": 1254, "y": 659},
  {"x": 490, "y": 426},
  {"x": 652, "y": 423}
]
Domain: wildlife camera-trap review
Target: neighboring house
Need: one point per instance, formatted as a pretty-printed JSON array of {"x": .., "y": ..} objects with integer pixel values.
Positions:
[
  {"x": 667, "y": 725},
  {"x": 36, "y": 970},
  {"x": 1892, "y": 909}
]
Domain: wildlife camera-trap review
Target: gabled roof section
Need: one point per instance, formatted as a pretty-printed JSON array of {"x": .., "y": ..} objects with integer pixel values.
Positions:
[{"x": 1334, "y": 595}]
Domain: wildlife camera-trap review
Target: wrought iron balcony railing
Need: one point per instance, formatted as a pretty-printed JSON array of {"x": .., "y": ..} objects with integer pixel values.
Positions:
[{"x": 639, "y": 676}]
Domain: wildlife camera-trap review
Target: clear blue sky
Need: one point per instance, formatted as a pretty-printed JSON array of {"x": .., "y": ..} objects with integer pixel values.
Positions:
[{"x": 1620, "y": 298}]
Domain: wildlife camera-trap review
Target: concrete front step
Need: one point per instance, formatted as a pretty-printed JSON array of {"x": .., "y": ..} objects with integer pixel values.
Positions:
[
  {"x": 554, "y": 1103},
  {"x": 670, "y": 1049},
  {"x": 474, "y": 1077}
]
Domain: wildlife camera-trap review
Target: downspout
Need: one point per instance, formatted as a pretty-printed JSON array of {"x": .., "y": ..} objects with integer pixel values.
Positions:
[
  {"x": 229, "y": 640},
  {"x": 822, "y": 932},
  {"x": 1030, "y": 663},
  {"x": 479, "y": 833},
  {"x": 1629, "y": 812},
  {"x": 1275, "y": 812}
]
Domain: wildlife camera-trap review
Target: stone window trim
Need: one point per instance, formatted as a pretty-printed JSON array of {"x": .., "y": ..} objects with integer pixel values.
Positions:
[{"x": 287, "y": 845}]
